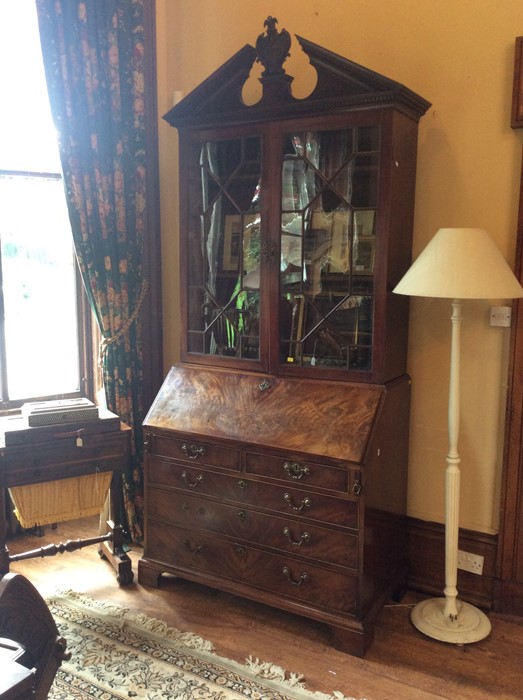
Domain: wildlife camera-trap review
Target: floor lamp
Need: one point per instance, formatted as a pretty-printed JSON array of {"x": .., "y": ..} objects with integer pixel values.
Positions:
[{"x": 458, "y": 263}]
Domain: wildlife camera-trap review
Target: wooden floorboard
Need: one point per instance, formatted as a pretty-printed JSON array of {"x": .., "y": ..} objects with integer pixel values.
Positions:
[{"x": 401, "y": 664}]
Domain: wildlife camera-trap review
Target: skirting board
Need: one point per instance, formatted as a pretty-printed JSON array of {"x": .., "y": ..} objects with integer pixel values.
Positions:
[{"x": 427, "y": 562}]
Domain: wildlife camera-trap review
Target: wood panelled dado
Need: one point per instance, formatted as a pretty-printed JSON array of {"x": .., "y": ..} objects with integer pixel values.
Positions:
[
  {"x": 509, "y": 588},
  {"x": 427, "y": 562}
]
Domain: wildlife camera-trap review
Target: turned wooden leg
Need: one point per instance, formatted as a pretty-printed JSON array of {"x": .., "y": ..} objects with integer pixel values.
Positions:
[{"x": 113, "y": 550}]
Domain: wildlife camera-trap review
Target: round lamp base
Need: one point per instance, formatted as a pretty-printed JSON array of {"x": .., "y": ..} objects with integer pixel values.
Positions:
[{"x": 471, "y": 625}]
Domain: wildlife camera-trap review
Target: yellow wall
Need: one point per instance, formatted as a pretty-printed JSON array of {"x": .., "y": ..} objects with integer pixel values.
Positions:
[{"x": 459, "y": 55}]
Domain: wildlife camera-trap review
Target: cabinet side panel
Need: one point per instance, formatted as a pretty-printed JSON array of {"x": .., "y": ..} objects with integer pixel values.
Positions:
[
  {"x": 385, "y": 491},
  {"x": 399, "y": 254}
]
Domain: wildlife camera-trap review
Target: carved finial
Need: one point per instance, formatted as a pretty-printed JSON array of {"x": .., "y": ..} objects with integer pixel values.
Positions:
[{"x": 273, "y": 48}]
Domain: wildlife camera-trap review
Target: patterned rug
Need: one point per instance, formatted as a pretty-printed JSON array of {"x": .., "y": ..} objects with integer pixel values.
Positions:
[{"x": 117, "y": 655}]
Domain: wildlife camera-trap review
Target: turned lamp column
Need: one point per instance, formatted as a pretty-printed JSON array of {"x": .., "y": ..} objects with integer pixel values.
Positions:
[{"x": 453, "y": 474}]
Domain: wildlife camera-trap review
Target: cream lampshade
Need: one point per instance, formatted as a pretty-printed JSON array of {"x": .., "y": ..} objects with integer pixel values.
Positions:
[{"x": 458, "y": 263}]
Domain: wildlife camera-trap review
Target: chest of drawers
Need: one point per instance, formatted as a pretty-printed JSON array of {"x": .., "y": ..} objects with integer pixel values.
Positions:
[{"x": 305, "y": 512}]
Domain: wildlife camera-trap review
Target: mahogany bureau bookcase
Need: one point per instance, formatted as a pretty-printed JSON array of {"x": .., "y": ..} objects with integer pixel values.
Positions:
[{"x": 277, "y": 450}]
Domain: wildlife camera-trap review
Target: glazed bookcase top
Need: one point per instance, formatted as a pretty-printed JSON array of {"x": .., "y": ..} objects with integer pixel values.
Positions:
[{"x": 296, "y": 217}]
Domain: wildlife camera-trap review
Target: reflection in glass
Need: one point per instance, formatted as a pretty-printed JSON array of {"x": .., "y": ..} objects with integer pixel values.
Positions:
[
  {"x": 223, "y": 248},
  {"x": 328, "y": 229}
]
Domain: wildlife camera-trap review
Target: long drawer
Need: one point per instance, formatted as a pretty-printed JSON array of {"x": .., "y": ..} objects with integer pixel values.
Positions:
[
  {"x": 282, "y": 533},
  {"x": 249, "y": 492},
  {"x": 188, "y": 551}
]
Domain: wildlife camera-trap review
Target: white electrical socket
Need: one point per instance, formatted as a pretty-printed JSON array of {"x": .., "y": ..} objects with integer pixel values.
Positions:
[
  {"x": 500, "y": 316},
  {"x": 470, "y": 562}
]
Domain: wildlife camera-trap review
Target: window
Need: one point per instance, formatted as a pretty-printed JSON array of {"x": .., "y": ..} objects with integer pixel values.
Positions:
[{"x": 43, "y": 315}]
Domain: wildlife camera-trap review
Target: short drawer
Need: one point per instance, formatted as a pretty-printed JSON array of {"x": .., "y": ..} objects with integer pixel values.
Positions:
[
  {"x": 258, "y": 494},
  {"x": 279, "y": 533},
  {"x": 307, "y": 583},
  {"x": 195, "y": 451},
  {"x": 297, "y": 471}
]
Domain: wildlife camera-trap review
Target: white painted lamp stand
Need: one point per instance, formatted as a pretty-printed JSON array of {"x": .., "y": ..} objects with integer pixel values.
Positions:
[{"x": 449, "y": 619}]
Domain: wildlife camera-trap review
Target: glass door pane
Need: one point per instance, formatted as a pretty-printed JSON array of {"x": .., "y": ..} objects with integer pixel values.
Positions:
[
  {"x": 223, "y": 249},
  {"x": 328, "y": 236}
]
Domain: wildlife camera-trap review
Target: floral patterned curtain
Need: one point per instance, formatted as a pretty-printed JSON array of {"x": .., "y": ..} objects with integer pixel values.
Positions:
[{"x": 94, "y": 61}]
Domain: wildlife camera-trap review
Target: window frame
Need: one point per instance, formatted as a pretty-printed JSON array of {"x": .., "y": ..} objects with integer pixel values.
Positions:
[{"x": 86, "y": 351}]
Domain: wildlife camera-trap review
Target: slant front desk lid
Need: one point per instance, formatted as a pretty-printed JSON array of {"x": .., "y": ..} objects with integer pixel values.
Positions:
[{"x": 327, "y": 418}]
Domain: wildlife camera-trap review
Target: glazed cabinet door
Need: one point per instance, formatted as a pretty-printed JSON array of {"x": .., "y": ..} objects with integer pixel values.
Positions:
[
  {"x": 329, "y": 209},
  {"x": 220, "y": 247}
]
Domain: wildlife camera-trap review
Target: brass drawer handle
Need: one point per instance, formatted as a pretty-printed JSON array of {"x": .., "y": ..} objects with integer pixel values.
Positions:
[
  {"x": 304, "y": 577},
  {"x": 304, "y": 539},
  {"x": 242, "y": 515},
  {"x": 357, "y": 488},
  {"x": 192, "y": 550},
  {"x": 192, "y": 484},
  {"x": 306, "y": 502},
  {"x": 242, "y": 484},
  {"x": 240, "y": 551},
  {"x": 193, "y": 451},
  {"x": 296, "y": 470}
]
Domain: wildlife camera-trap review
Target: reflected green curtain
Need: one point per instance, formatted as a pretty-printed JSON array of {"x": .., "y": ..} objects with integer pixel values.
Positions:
[{"x": 94, "y": 62}]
